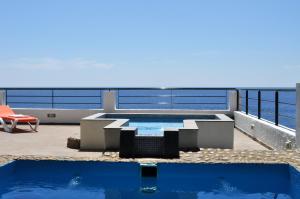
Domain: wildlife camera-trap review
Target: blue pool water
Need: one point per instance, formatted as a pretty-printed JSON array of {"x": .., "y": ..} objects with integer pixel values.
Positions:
[
  {"x": 96, "y": 180},
  {"x": 148, "y": 125}
]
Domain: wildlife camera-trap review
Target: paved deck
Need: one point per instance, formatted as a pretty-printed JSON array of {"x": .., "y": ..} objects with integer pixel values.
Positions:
[{"x": 51, "y": 140}]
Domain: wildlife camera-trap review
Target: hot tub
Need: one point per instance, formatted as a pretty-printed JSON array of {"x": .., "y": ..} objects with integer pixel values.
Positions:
[{"x": 102, "y": 131}]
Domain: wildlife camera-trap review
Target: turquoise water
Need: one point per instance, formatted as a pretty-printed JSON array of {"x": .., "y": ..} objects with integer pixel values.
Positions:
[
  {"x": 154, "y": 125},
  {"x": 97, "y": 180}
]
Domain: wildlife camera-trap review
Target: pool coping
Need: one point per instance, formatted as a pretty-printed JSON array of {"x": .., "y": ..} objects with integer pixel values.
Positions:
[
  {"x": 120, "y": 123},
  {"x": 226, "y": 156}
]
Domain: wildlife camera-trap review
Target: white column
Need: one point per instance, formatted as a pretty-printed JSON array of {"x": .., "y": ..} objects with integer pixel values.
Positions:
[
  {"x": 298, "y": 115},
  {"x": 109, "y": 101},
  {"x": 2, "y": 97},
  {"x": 232, "y": 97}
]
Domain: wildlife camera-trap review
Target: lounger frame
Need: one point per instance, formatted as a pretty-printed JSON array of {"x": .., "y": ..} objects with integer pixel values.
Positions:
[{"x": 9, "y": 128}]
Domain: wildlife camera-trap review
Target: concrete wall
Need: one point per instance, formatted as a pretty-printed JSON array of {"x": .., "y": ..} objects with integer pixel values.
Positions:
[
  {"x": 298, "y": 116},
  {"x": 92, "y": 136},
  {"x": 68, "y": 116},
  {"x": 73, "y": 116},
  {"x": 232, "y": 102},
  {"x": 216, "y": 133},
  {"x": 109, "y": 101},
  {"x": 270, "y": 134}
]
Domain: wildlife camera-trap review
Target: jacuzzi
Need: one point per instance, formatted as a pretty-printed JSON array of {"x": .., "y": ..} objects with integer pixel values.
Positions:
[{"x": 102, "y": 131}]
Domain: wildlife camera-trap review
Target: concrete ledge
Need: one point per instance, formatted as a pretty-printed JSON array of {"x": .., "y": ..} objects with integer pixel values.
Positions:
[
  {"x": 274, "y": 136},
  {"x": 73, "y": 116},
  {"x": 92, "y": 135},
  {"x": 203, "y": 156},
  {"x": 188, "y": 136},
  {"x": 216, "y": 133},
  {"x": 174, "y": 111},
  {"x": 58, "y": 116}
]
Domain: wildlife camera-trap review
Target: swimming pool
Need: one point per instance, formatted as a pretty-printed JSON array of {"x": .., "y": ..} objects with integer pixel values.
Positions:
[{"x": 89, "y": 180}]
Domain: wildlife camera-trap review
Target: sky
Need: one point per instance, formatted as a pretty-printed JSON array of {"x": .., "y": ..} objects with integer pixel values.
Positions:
[{"x": 149, "y": 43}]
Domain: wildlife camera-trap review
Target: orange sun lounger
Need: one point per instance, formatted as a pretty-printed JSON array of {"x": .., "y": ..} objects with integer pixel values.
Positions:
[{"x": 7, "y": 115}]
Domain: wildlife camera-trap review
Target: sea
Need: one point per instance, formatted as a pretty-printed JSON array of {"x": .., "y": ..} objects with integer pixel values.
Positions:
[{"x": 158, "y": 99}]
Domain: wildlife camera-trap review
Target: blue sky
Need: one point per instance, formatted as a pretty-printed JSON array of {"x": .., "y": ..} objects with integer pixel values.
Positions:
[{"x": 149, "y": 43}]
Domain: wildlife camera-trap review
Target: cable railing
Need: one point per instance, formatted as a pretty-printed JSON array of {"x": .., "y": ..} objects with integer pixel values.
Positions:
[
  {"x": 173, "y": 98},
  {"x": 127, "y": 98},
  {"x": 274, "y": 105},
  {"x": 56, "y": 98}
]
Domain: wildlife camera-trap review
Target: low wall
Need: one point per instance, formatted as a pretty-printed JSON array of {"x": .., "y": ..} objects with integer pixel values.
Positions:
[
  {"x": 73, "y": 116},
  {"x": 216, "y": 133},
  {"x": 59, "y": 116},
  {"x": 92, "y": 135},
  {"x": 174, "y": 111},
  {"x": 266, "y": 132}
]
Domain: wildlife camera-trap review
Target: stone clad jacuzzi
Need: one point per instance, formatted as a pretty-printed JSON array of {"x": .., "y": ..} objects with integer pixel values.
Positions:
[{"x": 100, "y": 132}]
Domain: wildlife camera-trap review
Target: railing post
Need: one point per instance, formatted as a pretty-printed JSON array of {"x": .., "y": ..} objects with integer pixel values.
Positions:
[
  {"x": 259, "y": 104},
  {"x": 238, "y": 99},
  {"x": 232, "y": 98},
  {"x": 171, "y": 98},
  {"x": 298, "y": 115},
  {"x": 247, "y": 102},
  {"x": 109, "y": 101},
  {"x": 2, "y": 97},
  {"x": 117, "y": 99},
  {"x": 276, "y": 108},
  {"x": 52, "y": 98}
]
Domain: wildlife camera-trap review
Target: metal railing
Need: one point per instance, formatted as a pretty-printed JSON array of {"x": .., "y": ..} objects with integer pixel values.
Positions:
[
  {"x": 127, "y": 98},
  {"x": 173, "y": 98},
  {"x": 277, "y": 105},
  {"x": 64, "y": 98},
  {"x": 270, "y": 105}
]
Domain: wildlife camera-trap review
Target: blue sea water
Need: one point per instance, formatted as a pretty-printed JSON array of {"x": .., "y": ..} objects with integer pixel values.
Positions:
[
  {"x": 157, "y": 99},
  {"x": 287, "y": 106},
  {"x": 95, "y": 180}
]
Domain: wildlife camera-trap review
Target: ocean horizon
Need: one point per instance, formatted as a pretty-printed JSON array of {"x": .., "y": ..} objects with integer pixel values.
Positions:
[{"x": 158, "y": 99}]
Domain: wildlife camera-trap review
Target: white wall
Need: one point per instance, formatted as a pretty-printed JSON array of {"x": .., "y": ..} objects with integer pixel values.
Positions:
[
  {"x": 232, "y": 101},
  {"x": 216, "y": 133},
  {"x": 109, "y": 101},
  {"x": 298, "y": 116},
  {"x": 270, "y": 134},
  {"x": 92, "y": 136},
  {"x": 73, "y": 116},
  {"x": 69, "y": 116}
]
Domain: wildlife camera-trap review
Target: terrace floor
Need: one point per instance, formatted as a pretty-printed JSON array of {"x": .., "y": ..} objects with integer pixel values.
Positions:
[{"x": 51, "y": 140}]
